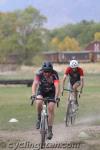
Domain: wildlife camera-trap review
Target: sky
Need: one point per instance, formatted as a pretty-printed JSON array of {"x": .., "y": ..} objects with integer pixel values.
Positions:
[{"x": 58, "y": 12}]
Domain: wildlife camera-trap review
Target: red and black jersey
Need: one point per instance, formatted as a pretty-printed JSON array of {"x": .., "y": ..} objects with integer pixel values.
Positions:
[
  {"x": 74, "y": 76},
  {"x": 47, "y": 84}
]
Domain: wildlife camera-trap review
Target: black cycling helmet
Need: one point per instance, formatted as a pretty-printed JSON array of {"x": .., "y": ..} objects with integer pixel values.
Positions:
[{"x": 47, "y": 66}]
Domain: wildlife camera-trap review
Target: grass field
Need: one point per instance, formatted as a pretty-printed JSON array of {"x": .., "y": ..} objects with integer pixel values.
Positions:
[{"x": 15, "y": 103}]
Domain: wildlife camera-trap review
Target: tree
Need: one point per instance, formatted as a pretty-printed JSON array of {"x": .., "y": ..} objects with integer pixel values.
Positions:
[
  {"x": 97, "y": 36},
  {"x": 83, "y": 31},
  {"x": 21, "y": 33},
  {"x": 54, "y": 43},
  {"x": 69, "y": 44},
  {"x": 29, "y": 25},
  {"x": 66, "y": 44}
]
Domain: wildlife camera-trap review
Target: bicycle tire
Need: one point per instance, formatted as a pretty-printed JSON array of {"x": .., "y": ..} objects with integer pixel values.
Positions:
[
  {"x": 70, "y": 115},
  {"x": 68, "y": 119},
  {"x": 43, "y": 132},
  {"x": 73, "y": 117}
]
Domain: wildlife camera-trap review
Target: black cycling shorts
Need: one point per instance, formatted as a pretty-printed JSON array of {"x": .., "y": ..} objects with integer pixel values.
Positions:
[{"x": 50, "y": 94}]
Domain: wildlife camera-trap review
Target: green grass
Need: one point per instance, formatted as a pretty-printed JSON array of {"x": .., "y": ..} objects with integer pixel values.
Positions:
[{"x": 15, "y": 103}]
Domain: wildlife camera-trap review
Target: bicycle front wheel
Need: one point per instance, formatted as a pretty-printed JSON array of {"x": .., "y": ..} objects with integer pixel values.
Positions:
[
  {"x": 73, "y": 117},
  {"x": 43, "y": 132},
  {"x": 68, "y": 117},
  {"x": 70, "y": 114}
]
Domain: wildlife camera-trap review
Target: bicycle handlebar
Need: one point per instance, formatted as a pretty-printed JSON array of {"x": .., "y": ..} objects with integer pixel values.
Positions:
[
  {"x": 44, "y": 99},
  {"x": 71, "y": 91}
]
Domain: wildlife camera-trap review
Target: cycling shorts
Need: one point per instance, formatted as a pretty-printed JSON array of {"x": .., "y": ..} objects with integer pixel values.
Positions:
[
  {"x": 50, "y": 94},
  {"x": 70, "y": 86}
]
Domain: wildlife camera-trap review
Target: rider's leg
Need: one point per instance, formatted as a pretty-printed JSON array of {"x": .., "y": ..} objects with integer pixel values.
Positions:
[
  {"x": 75, "y": 86},
  {"x": 38, "y": 108},
  {"x": 51, "y": 107}
]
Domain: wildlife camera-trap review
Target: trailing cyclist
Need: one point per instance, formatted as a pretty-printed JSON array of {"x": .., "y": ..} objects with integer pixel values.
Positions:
[
  {"x": 76, "y": 78},
  {"x": 46, "y": 84}
]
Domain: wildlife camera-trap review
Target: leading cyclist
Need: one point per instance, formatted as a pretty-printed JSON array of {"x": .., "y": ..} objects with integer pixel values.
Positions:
[
  {"x": 46, "y": 82},
  {"x": 76, "y": 78}
]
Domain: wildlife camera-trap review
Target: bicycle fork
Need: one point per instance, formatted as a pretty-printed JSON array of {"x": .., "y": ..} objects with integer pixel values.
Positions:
[{"x": 44, "y": 119}]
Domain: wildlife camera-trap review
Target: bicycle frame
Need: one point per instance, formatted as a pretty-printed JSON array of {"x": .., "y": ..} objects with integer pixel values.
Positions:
[
  {"x": 71, "y": 111},
  {"x": 44, "y": 119}
]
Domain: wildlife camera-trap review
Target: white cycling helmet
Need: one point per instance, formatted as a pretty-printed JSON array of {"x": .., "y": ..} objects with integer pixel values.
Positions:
[{"x": 73, "y": 64}]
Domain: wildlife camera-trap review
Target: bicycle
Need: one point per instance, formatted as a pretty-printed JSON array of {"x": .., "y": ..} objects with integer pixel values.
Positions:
[
  {"x": 71, "y": 108},
  {"x": 44, "y": 120}
]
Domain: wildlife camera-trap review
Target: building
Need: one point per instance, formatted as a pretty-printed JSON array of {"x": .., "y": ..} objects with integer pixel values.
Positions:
[
  {"x": 94, "y": 49},
  {"x": 93, "y": 46}
]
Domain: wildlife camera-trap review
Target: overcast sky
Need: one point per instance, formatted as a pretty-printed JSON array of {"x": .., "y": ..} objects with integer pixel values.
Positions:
[{"x": 58, "y": 12}]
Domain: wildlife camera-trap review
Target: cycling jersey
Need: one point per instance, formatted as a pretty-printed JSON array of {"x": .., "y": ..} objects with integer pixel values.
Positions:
[
  {"x": 74, "y": 76},
  {"x": 46, "y": 84}
]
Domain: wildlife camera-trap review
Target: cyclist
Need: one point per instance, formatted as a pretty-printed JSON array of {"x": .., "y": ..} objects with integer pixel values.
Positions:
[
  {"x": 76, "y": 78},
  {"x": 46, "y": 83}
]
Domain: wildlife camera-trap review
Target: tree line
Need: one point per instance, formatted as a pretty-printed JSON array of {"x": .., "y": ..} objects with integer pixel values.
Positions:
[
  {"x": 75, "y": 36},
  {"x": 22, "y": 34}
]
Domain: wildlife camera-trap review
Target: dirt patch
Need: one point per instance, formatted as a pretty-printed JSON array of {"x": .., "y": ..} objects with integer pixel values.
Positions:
[{"x": 64, "y": 138}]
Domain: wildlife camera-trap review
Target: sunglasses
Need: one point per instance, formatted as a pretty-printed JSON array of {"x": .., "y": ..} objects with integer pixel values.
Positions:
[{"x": 47, "y": 71}]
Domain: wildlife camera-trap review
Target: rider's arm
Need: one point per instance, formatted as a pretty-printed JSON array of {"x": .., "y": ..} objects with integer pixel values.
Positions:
[
  {"x": 67, "y": 71},
  {"x": 63, "y": 81},
  {"x": 57, "y": 88},
  {"x": 35, "y": 85},
  {"x": 81, "y": 83},
  {"x": 81, "y": 79}
]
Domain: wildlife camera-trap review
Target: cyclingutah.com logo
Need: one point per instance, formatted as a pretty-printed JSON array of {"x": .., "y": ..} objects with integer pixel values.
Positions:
[{"x": 30, "y": 146}]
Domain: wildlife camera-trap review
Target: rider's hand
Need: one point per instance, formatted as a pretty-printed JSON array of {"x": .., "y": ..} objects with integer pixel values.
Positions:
[
  {"x": 57, "y": 99},
  {"x": 33, "y": 99}
]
